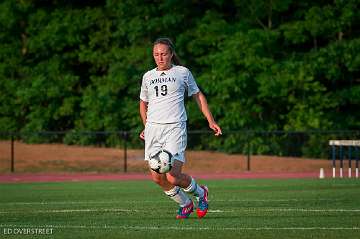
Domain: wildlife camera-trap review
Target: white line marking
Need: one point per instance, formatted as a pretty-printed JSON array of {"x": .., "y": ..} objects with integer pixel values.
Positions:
[
  {"x": 307, "y": 210},
  {"x": 74, "y": 210},
  {"x": 277, "y": 200},
  {"x": 284, "y": 210},
  {"x": 125, "y": 227},
  {"x": 253, "y": 210},
  {"x": 145, "y": 201},
  {"x": 216, "y": 211}
]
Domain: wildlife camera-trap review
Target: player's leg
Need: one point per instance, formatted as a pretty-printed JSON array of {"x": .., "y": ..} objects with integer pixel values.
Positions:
[
  {"x": 153, "y": 134},
  {"x": 176, "y": 177},
  {"x": 176, "y": 143},
  {"x": 186, "y": 206},
  {"x": 201, "y": 193}
]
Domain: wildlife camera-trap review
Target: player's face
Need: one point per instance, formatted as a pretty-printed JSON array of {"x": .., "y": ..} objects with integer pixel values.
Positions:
[{"x": 162, "y": 56}]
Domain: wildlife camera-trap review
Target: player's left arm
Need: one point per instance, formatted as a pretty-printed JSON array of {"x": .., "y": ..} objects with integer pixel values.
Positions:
[{"x": 204, "y": 107}]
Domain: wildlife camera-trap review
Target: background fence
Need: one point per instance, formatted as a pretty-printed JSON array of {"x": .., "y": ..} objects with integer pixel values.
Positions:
[{"x": 118, "y": 151}]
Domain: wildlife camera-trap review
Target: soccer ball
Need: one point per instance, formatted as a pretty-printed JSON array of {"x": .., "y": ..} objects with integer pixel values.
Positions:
[{"x": 161, "y": 162}]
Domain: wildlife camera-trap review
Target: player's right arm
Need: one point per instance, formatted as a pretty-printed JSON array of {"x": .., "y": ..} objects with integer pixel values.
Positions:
[
  {"x": 143, "y": 104},
  {"x": 143, "y": 115}
]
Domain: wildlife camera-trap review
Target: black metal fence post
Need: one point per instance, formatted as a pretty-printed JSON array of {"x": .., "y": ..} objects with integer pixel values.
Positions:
[
  {"x": 248, "y": 151},
  {"x": 12, "y": 154},
  {"x": 125, "y": 137}
]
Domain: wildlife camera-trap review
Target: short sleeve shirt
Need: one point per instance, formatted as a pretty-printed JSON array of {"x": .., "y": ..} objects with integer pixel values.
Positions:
[{"x": 164, "y": 91}]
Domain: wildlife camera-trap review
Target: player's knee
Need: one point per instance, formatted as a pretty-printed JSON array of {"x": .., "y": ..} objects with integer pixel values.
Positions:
[{"x": 173, "y": 178}]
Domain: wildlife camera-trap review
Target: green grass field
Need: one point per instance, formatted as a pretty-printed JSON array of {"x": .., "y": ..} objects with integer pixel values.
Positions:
[{"x": 138, "y": 209}]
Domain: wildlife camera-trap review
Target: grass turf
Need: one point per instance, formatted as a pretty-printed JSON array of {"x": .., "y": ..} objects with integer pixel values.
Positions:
[{"x": 139, "y": 209}]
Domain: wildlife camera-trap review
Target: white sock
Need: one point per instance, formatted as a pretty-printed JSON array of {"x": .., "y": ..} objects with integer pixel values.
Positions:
[
  {"x": 178, "y": 196},
  {"x": 195, "y": 189}
]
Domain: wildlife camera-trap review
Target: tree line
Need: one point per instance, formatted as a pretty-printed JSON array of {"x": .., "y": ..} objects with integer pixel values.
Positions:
[{"x": 263, "y": 64}]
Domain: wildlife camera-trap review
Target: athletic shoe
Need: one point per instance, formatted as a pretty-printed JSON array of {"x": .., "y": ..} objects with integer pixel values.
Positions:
[
  {"x": 203, "y": 203},
  {"x": 184, "y": 212}
]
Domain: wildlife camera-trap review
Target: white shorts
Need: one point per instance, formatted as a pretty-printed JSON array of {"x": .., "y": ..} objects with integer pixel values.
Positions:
[{"x": 171, "y": 137}]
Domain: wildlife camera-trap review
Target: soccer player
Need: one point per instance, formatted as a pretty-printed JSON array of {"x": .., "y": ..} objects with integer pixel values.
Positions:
[{"x": 163, "y": 114}]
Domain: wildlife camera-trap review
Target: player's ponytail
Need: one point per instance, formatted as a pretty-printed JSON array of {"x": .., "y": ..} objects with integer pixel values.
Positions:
[
  {"x": 166, "y": 41},
  {"x": 175, "y": 59}
]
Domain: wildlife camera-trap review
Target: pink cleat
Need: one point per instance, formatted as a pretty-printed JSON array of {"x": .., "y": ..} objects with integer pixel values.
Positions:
[
  {"x": 203, "y": 203},
  {"x": 184, "y": 212}
]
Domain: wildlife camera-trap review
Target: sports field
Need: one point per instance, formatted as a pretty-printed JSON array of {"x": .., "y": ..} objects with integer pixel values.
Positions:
[{"x": 239, "y": 208}]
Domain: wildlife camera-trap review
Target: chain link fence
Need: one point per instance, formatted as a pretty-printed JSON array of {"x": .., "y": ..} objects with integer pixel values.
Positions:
[{"x": 122, "y": 151}]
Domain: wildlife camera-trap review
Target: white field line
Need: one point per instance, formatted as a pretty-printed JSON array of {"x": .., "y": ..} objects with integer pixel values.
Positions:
[
  {"x": 302, "y": 210},
  {"x": 147, "y": 201},
  {"x": 162, "y": 228},
  {"x": 73, "y": 210},
  {"x": 91, "y": 210},
  {"x": 284, "y": 210}
]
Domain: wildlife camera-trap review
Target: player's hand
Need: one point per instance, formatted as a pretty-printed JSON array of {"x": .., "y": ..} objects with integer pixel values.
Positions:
[
  {"x": 216, "y": 128},
  {"x": 142, "y": 135}
]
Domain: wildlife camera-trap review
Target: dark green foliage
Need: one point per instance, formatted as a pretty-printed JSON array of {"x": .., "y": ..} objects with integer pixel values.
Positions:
[{"x": 264, "y": 65}]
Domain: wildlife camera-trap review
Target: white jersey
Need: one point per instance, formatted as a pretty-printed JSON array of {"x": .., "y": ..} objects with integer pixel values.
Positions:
[{"x": 164, "y": 91}]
